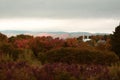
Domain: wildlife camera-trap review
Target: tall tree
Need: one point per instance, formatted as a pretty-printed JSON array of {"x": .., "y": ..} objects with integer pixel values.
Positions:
[{"x": 115, "y": 41}]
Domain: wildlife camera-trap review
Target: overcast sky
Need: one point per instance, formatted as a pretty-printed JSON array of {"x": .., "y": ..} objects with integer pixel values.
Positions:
[{"x": 60, "y": 15}]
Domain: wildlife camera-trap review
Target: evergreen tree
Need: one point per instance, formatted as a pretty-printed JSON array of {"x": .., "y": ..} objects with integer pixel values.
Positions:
[{"x": 115, "y": 41}]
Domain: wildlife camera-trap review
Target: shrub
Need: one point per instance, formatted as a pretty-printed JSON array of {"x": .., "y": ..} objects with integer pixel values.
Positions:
[
  {"x": 77, "y": 55},
  {"x": 16, "y": 71},
  {"x": 60, "y": 71}
]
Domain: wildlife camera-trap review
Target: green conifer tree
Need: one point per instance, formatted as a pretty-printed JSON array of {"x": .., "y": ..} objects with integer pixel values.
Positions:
[{"x": 115, "y": 41}]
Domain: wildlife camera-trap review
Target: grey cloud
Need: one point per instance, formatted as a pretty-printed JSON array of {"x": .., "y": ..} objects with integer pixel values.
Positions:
[{"x": 60, "y": 8}]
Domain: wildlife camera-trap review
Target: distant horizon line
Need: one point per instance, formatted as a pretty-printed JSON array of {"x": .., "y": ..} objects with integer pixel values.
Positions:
[{"x": 55, "y": 31}]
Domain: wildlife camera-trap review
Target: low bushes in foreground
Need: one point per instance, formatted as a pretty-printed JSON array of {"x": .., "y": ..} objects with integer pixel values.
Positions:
[
  {"x": 57, "y": 71},
  {"x": 79, "y": 56}
]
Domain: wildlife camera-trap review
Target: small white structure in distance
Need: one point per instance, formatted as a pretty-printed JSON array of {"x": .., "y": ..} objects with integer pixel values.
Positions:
[{"x": 86, "y": 39}]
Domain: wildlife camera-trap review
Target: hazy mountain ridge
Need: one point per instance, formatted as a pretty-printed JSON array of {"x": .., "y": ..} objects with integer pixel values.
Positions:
[{"x": 53, "y": 34}]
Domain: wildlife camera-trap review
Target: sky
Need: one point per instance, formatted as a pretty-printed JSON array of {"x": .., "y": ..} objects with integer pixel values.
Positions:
[{"x": 96, "y": 16}]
